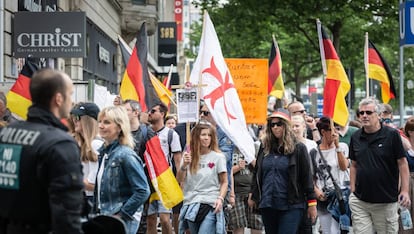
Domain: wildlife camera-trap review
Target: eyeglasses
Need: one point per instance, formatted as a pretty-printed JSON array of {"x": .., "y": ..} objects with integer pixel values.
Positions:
[
  {"x": 365, "y": 112},
  {"x": 299, "y": 111},
  {"x": 205, "y": 113},
  {"x": 274, "y": 124},
  {"x": 152, "y": 111}
]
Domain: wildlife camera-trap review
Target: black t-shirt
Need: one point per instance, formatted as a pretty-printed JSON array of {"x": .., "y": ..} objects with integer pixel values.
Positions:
[
  {"x": 377, "y": 172},
  {"x": 243, "y": 178}
]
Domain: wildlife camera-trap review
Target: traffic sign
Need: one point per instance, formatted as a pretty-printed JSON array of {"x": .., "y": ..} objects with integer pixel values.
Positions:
[{"x": 406, "y": 13}]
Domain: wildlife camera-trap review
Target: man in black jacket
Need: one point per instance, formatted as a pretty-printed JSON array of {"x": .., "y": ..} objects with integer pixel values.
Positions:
[{"x": 40, "y": 170}]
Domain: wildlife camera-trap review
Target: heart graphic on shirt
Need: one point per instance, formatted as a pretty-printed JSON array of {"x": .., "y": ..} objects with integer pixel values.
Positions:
[{"x": 210, "y": 164}]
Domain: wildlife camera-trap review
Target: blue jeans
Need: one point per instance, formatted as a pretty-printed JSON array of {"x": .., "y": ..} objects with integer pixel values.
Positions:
[
  {"x": 281, "y": 221},
  {"x": 131, "y": 226},
  {"x": 206, "y": 226}
]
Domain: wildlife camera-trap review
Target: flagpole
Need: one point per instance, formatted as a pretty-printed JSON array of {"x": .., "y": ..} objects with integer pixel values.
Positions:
[
  {"x": 187, "y": 125},
  {"x": 160, "y": 87},
  {"x": 366, "y": 61},
  {"x": 321, "y": 47},
  {"x": 167, "y": 84}
]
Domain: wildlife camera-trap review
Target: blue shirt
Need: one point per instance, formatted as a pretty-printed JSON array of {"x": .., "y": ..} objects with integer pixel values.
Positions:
[{"x": 275, "y": 177}]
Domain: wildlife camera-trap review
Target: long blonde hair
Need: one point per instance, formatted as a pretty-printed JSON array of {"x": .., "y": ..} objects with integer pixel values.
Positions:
[
  {"x": 196, "y": 142},
  {"x": 86, "y": 136},
  {"x": 119, "y": 115}
]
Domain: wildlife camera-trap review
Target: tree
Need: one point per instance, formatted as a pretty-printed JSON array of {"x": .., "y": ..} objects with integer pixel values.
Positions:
[{"x": 244, "y": 28}]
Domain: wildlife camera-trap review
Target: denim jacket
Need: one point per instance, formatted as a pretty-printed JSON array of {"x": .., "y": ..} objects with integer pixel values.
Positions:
[{"x": 124, "y": 187}]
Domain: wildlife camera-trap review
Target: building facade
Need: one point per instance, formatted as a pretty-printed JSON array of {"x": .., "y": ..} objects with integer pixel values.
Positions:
[{"x": 105, "y": 20}]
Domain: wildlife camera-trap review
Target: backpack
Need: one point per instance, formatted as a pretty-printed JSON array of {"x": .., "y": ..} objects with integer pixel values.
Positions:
[{"x": 170, "y": 156}]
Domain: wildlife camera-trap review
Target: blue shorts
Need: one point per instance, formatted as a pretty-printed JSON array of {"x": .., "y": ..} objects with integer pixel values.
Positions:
[{"x": 156, "y": 207}]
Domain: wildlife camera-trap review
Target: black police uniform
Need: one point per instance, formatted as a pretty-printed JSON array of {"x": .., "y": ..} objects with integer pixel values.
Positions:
[{"x": 40, "y": 177}]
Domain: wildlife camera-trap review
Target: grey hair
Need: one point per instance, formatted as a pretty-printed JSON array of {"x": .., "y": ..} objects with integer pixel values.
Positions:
[
  {"x": 135, "y": 106},
  {"x": 371, "y": 100}
]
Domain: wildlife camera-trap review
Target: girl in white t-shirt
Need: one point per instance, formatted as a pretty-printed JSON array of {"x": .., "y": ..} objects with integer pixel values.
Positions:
[{"x": 203, "y": 174}]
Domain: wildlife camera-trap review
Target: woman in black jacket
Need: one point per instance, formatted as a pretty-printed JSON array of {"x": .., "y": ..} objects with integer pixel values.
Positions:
[{"x": 282, "y": 184}]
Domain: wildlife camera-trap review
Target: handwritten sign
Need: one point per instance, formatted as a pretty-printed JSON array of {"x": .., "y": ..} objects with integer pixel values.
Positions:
[{"x": 250, "y": 78}]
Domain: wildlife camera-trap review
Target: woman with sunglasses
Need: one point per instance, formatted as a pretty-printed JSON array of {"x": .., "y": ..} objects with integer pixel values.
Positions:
[
  {"x": 85, "y": 132},
  {"x": 282, "y": 180},
  {"x": 334, "y": 158}
]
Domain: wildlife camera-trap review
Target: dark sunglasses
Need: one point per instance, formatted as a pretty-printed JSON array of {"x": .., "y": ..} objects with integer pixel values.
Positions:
[
  {"x": 152, "y": 111},
  {"x": 205, "y": 113},
  {"x": 365, "y": 112},
  {"x": 274, "y": 124}
]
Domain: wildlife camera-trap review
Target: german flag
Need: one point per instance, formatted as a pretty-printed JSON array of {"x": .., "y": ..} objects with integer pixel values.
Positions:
[
  {"x": 18, "y": 98},
  {"x": 136, "y": 84},
  {"x": 161, "y": 175},
  {"x": 275, "y": 87},
  {"x": 336, "y": 81},
  {"x": 378, "y": 69}
]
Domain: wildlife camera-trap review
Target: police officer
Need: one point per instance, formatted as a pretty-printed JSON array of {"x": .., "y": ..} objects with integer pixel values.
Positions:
[{"x": 40, "y": 170}]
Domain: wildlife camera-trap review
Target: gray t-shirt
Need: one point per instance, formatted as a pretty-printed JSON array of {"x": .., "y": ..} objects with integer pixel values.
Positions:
[{"x": 204, "y": 186}]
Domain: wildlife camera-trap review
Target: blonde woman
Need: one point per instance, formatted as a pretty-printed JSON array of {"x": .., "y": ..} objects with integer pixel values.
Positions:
[
  {"x": 122, "y": 186},
  {"x": 85, "y": 131},
  {"x": 299, "y": 129},
  {"x": 204, "y": 175}
]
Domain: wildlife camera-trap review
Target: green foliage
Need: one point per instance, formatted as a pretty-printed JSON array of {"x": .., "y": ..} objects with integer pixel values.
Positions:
[{"x": 245, "y": 29}]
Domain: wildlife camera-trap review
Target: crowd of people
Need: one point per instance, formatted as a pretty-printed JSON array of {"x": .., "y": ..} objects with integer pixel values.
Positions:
[{"x": 310, "y": 175}]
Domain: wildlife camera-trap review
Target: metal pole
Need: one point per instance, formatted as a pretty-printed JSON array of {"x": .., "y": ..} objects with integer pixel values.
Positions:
[
  {"x": 2, "y": 40},
  {"x": 401, "y": 95},
  {"x": 401, "y": 98}
]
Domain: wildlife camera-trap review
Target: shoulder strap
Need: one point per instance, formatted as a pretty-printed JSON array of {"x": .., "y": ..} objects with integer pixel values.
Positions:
[
  {"x": 170, "y": 137},
  {"x": 328, "y": 167}
]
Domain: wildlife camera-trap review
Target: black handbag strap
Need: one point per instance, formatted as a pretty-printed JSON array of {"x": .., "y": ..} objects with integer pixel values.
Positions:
[
  {"x": 338, "y": 190},
  {"x": 328, "y": 167}
]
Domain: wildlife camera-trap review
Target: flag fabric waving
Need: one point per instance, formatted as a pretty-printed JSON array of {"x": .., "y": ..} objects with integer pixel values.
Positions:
[
  {"x": 163, "y": 93},
  {"x": 136, "y": 84},
  {"x": 218, "y": 90},
  {"x": 336, "y": 81},
  {"x": 378, "y": 69},
  {"x": 161, "y": 175},
  {"x": 276, "y": 87},
  {"x": 18, "y": 98}
]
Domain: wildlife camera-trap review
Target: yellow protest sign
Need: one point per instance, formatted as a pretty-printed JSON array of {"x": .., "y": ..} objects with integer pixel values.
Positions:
[{"x": 250, "y": 77}]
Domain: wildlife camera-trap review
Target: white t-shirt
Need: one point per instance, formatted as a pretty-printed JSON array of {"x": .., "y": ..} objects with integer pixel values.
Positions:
[
  {"x": 204, "y": 186},
  {"x": 90, "y": 169},
  {"x": 175, "y": 143},
  {"x": 331, "y": 157},
  {"x": 310, "y": 144}
]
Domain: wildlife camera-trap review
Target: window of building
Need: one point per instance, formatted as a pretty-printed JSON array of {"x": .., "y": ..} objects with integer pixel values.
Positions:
[{"x": 138, "y": 2}]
